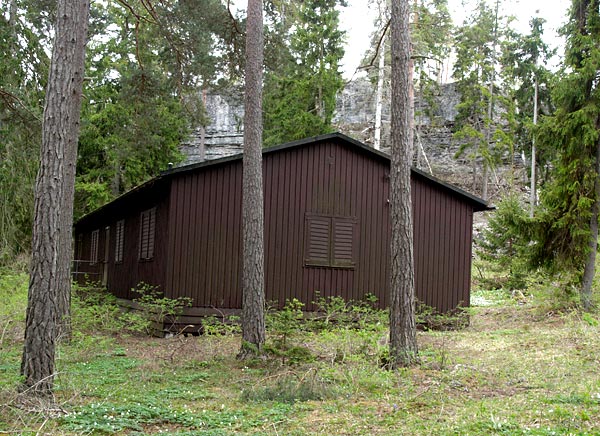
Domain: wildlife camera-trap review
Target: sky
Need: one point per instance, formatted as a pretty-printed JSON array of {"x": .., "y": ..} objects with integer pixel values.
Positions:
[{"x": 357, "y": 20}]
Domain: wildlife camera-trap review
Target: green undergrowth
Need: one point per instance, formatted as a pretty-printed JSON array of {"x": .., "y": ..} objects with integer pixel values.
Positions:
[{"x": 521, "y": 367}]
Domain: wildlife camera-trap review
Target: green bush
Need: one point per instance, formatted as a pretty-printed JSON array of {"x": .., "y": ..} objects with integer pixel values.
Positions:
[
  {"x": 94, "y": 309},
  {"x": 283, "y": 325},
  {"x": 153, "y": 309},
  {"x": 223, "y": 326},
  {"x": 335, "y": 311},
  {"x": 505, "y": 246}
]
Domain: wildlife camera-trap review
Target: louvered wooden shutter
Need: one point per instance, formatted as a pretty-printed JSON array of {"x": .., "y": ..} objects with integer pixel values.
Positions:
[
  {"x": 94, "y": 247},
  {"x": 317, "y": 240},
  {"x": 119, "y": 240},
  {"x": 147, "y": 224},
  {"x": 343, "y": 242}
]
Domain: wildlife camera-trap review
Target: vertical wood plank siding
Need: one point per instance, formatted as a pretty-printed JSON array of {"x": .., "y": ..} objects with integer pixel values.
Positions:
[
  {"x": 325, "y": 178},
  {"x": 203, "y": 261},
  {"x": 198, "y": 231},
  {"x": 126, "y": 275},
  {"x": 442, "y": 246}
]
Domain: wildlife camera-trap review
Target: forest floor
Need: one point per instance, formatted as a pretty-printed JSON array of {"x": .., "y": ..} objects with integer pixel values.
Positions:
[{"x": 519, "y": 368}]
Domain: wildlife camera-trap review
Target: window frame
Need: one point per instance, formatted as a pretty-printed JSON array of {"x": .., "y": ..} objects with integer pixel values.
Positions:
[
  {"x": 119, "y": 241},
  {"x": 330, "y": 241},
  {"x": 94, "y": 246},
  {"x": 147, "y": 235}
]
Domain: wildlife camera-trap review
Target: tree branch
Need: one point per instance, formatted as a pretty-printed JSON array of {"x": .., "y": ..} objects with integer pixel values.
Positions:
[
  {"x": 13, "y": 102},
  {"x": 371, "y": 63},
  {"x": 233, "y": 20}
]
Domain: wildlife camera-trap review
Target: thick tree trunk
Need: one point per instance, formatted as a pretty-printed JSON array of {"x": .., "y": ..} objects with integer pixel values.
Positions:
[
  {"x": 49, "y": 286},
  {"x": 403, "y": 340},
  {"x": 590, "y": 264},
  {"x": 253, "y": 281}
]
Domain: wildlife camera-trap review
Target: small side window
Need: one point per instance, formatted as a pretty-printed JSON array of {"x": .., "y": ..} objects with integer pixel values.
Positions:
[
  {"x": 94, "y": 247},
  {"x": 147, "y": 224},
  {"x": 79, "y": 249},
  {"x": 119, "y": 241}
]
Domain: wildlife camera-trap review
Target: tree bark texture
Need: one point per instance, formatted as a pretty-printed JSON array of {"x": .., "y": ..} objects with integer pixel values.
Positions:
[
  {"x": 590, "y": 263},
  {"x": 49, "y": 285},
  {"x": 253, "y": 281},
  {"x": 403, "y": 340}
]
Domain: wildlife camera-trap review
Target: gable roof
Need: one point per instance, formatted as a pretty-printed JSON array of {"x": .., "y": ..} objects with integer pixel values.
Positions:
[{"x": 477, "y": 203}]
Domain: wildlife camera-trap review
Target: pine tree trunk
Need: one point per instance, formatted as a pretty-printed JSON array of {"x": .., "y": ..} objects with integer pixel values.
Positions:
[
  {"x": 49, "y": 285},
  {"x": 403, "y": 340},
  {"x": 590, "y": 264},
  {"x": 253, "y": 282}
]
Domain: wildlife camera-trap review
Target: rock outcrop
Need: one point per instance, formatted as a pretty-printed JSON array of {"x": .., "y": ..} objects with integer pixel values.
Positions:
[{"x": 435, "y": 147}]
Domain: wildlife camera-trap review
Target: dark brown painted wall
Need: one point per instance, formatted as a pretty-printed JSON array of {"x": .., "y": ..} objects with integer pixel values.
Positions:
[
  {"x": 124, "y": 276},
  {"x": 204, "y": 248},
  {"x": 442, "y": 246},
  {"x": 198, "y": 241},
  {"x": 326, "y": 178}
]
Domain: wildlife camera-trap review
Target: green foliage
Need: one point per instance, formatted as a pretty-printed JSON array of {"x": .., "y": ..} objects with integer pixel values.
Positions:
[
  {"x": 290, "y": 388},
  {"x": 572, "y": 134},
  {"x": 430, "y": 319},
  {"x": 111, "y": 418},
  {"x": 505, "y": 244},
  {"x": 481, "y": 380},
  {"x": 283, "y": 325},
  {"x": 226, "y": 326},
  {"x": 94, "y": 309},
  {"x": 431, "y": 39},
  {"x": 145, "y": 69},
  {"x": 24, "y": 35},
  {"x": 554, "y": 293},
  {"x": 525, "y": 58},
  {"x": 128, "y": 135},
  {"x": 335, "y": 312},
  {"x": 485, "y": 120},
  {"x": 300, "y": 91},
  {"x": 13, "y": 294},
  {"x": 153, "y": 310}
]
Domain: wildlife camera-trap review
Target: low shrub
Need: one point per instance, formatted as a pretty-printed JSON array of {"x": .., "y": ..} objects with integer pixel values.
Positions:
[
  {"x": 290, "y": 388},
  {"x": 153, "y": 310}
]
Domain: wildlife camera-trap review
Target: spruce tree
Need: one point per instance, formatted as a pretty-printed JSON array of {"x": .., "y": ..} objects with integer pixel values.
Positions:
[
  {"x": 24, "y": 33},
  {"x": 569, "y": 218},
  {"x": 485, "y": 113},
  {"x": 300, "y": 95}
]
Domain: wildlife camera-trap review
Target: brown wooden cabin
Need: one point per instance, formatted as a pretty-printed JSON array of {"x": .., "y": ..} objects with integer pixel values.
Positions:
[{"x": 326, "y": 231}]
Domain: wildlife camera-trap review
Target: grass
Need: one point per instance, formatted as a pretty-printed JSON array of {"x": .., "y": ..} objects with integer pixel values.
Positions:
[{"x": 516, "y": 370}]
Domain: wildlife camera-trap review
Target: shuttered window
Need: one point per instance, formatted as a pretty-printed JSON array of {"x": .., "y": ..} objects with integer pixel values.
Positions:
[
  {"x": 79, "y": 253},
  {"x": 330, "y": 241},
  {"x": 147, "y": 224},
  {"x": 94, "y": 247},
  {"x": 119, "y": 240},
  {"x": 318, "y": 245}
]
